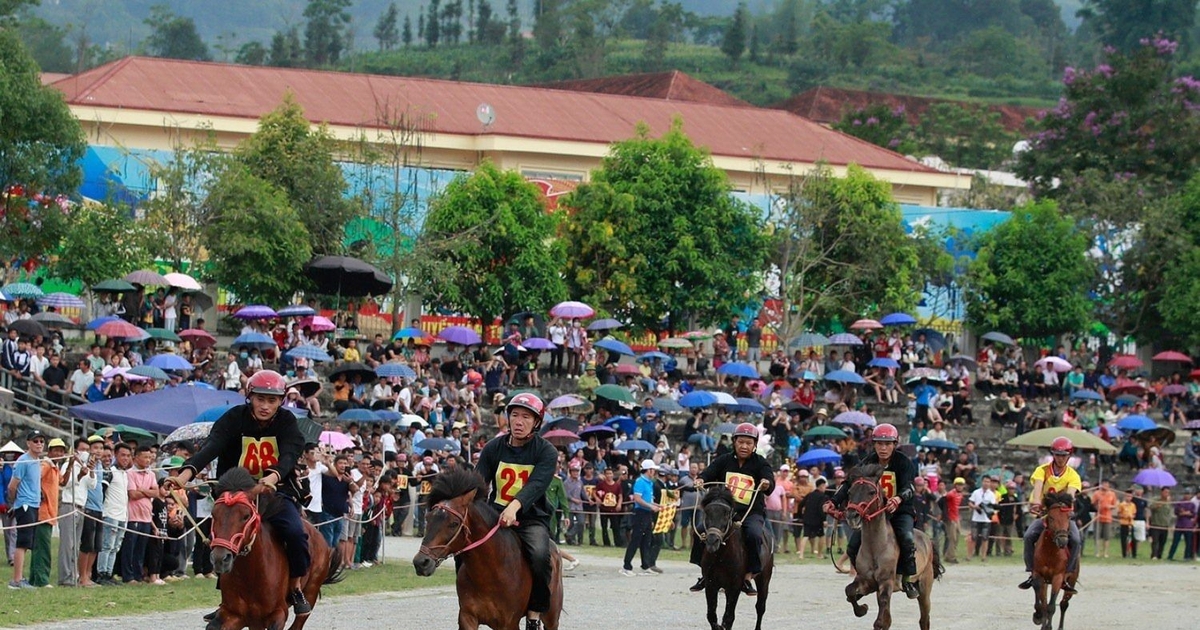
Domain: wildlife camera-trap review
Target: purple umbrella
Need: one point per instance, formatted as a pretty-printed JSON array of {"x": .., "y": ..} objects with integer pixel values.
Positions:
[
  {"x": 1154, "y": 477},
  {"x": 845, "y": 339},
  {"x": 854, "y": 417},
  {"x": 572, "y": 310},
  {"x": 460, "y": 335},
  {"x": 604, "y": 324},
  {"x": 255, "y": 311},
  {"x": 1192, "y": 425},
  {"x": 566, "y": 401},
  {"x": 146, "y": 277},
  {"x": 537, "y": 343},
  {"x": 1175, "y": 389}
]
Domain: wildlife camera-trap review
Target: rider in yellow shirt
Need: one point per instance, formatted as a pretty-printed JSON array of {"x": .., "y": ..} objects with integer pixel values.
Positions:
[{"x": 1057, "y": 476}]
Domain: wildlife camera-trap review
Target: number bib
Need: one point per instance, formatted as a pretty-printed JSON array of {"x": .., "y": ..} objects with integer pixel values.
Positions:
[
  {"x": 742, "y": 487},
  {"x": 510, "y": 478},
  {"x": 402, "y": 482},
  {"x": 887, "y": 484},
  {"x": 258, "y": 455}
]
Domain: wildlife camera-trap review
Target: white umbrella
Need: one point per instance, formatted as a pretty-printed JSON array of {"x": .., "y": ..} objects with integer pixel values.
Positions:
[
  {"x": 183, "y": 281},
  {"x": 1057, "y": 364}
]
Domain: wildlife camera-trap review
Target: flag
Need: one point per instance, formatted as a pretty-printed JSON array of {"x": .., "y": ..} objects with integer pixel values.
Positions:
[{"x": 666, "y": 516}]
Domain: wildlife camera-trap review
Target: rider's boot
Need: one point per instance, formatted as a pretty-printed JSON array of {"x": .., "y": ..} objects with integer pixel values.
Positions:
[
  {"x": 212, "y": 615},
  {"x": 1027, "y": 584},
  {"x": 748, "y": 588},
  {"x": 698, "y": 586},
  {"x": 911, "y": 588},
  {"x": 533, "y": 624},
  {"x": 299, "y": 603},
  {"x": 1069, "y": 587}
]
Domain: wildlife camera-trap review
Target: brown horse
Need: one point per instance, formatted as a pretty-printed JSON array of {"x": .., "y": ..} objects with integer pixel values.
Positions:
[
  {"x": 879, "y": 553},
  {"x": 724, "y": 560},
  {"x": 250, "y": 559},
  {"x": 494, "y": 579},
  {"x": 1050, "y": 559}
]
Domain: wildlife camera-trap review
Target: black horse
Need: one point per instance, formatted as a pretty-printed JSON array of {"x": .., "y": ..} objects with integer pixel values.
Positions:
[{"x": 724, "y": 560}]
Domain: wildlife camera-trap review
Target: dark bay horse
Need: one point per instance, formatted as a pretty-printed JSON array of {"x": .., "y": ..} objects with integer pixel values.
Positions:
[
  {"x": 724, "y": 560},
  {"x": 1050, "y": 559},
  {"x": 251, "y": 562},
  {"x": 493, "y": 576},
  {"x": 879, "y": 553}
]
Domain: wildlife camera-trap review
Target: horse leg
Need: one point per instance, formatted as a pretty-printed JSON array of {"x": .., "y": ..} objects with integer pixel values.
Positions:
[
  {"x": 760, "y": 607},
  {"x": 467, "y": 621},
  {"x": 710, "y": 594},
  {"x": 1062, "y": 610},
  {"x": 924, "y": 599},
  {"x": 853, "y": 594},
  {"x": 731, "y": 600},
  {"x": 883, "y": 595},
  {"x": 229, "y": 622},
  {"x": 1048, "y": 618},
  {"x": 1039, "y": 600}
]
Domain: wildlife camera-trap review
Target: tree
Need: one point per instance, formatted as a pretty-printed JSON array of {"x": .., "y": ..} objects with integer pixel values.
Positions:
[
  {"x": 286, "y": 49},
  {"x": 41, "y": 145},
  {"x": 880, "y": 125},
  {"x": 256, "y": 240},
  {"x": 967, "y": 136},
  {"x": 47, "y": 44},
  {"x": 252, "y": 54},
  {"x": 1031, "y": 276},
  {"x": 839, "y": 249},
  {"x": 101, "y": 241},
  {"x": 734, "y": 42},
  {"x": 173, "y": 36},
  {"x": 326, "y": 31},
  {"x": 385, "y": 29},
  {"x": 297, "y": 159},
  {"x": 175, "y": 214},
  {"x": 10, "y": 8},
  {"x": 406, "y": 34},
  {"x": 515, "y": 263},
  {"x": 547, "y": 24},
  {"x": 433, "y": 24},
  {"x": 1124, "y": 23},
  {"x": 703, "y": 249}
]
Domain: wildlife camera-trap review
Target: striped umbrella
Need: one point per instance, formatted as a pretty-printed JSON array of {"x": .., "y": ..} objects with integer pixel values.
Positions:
[
  {"x": 21, "y": 290},
  {"x": 60, "y": 300}
]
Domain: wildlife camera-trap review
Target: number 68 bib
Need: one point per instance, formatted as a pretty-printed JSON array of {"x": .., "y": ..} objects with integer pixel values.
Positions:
[{"x": 259, "y": 455}]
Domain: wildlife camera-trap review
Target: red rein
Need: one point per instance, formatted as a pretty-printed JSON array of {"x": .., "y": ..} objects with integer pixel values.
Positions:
[
  {"x": 237, "y": 544},
  {"x": 864, "y": 508},
  {"x": 462, "y": 526}
]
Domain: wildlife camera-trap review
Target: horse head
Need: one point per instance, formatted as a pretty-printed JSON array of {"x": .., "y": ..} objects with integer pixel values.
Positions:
[
  {"x": 717, "y": 507},
  {"x": 865, "y": 500},
  {"x": 1059, "y": 507},
  {"x": 236, "y": 521},
  {"x": 447, "y": 512}
]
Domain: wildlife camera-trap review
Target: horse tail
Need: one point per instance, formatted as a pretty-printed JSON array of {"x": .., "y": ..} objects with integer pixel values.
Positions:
[
  {"x": 335, "y": 573},
  {"x": 936, "y": 558}
]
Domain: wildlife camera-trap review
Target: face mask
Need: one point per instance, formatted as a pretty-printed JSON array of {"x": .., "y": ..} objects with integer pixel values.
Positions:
[
  {"x": 575, "y": 324},
  {"x": 244, "y": 355}
]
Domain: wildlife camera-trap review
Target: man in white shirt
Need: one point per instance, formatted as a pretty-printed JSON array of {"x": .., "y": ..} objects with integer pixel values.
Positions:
[
  {"x": 316, "y": 468},
  {"x": 233, "y": 373},
  {"x": 404, "y": 399},
  {"x": 983, "y": 503},
  {"x": 388, "y": 441},
  {"x": 558, "y": 335},
  {"x": 353, "y": 529},
  {"x": 79, "y": 476},
  {"x": 116, "y": 514},
  {"x": 82, "y": 378}
]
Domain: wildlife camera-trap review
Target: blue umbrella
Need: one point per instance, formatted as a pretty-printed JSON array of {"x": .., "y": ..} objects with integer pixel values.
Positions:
[
  {"x": 946, "y": 444},
  {"x": 934, "y": 339},
  {"x": 725, "y": 428},
  {"x": 22, "y": 290},
  {"x": 634, "y": 445},
  {"x": 312, "y": 353},
  {"x": 170, "y": 362},
  {"x": 999, "y": 337},
  {"x": 60, "y": 300},
  {"x": 884, "y": 362},
  {"x": 162, "y": 411},
  {"x": 819, "y": 457},
  {"x": 747, "y": 405},
  {"x": 599, "y": 429},
  {"x": 1136, "y": 423},
  {"x": 149, "y": 371},
  {"x": 409, "y": 333},
  {"x": 811, "y": 376},
  {"x": 604, "y": 324},
  {"x": 667, "y": 405},
  {"x": 253, "y": 340},
  {"x": 738, "y": 369},
  {"x": 614, "y": 346},
  {"x": 854, "y": 417},
  {"x": 1086, "y": 394},
  {"x": 844, "y": 339},
  {"x": 435, "y": 444},
  {"x": 845, "y": 376},
  {"x": 654, "y": 354},
  {"x": 296, "y": 310},
  {"x": 100, "y": 321},
  {"x": 898, "y": 319},
  {"x": 697, "y": 399},
  {"x": 389, "y": 415},
  {"x": 212, "y": 414},
  {"x": 809, "y": 340},
  {"x": 358, "y": 415},
  {"x": 1113, "y": 431},
  {"x": 626, "y": 424},
  {"x": 395, "y": 370}
]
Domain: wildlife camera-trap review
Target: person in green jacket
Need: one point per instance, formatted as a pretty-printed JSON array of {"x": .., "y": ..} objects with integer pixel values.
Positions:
[
  {"x": 588, "y": 382},
  {"x": 556, "y": 495}
]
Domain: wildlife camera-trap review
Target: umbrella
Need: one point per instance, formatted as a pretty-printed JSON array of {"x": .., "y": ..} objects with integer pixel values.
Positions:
[
  {"x": 114, "y": 285},
  {"x": 808, "y": 340},
  {"x": 306, "y": 386},
  {"x": 312, "y": 353},
  {"x": 1113, "y": 431},
  {"x": 358, "y": 415},
  {"x": 898, "y": 319},
  {"x": 675, "y": 342},
  {"x": 316, "y": 323},
  {"x": 150, "y": 371},
  {"x": 963, "y": 359},
  {"x": 857, "y": 418},
  {"x": 1128, "y": 400},
  {"x": 800, "y": 409},
  {"x": 389, "y": 415},
  {"x": 146, "y": 277},
  {"x": 132, "y": 431},
  {"x": 560, "y": 437},
  {"x": 1043, "y": 437},
  {"x": 615, "y": 393},
  {"x": 667, "y": 405},
  {"x": 564, "y": 423},
  {"x": 1164, "y": 436},
  {"x": 253, "y": 340},
  {"x": 1129, "y": 387},
  {"x": 998, "y": 337},
  {"x": 1086, "y": 394},
  {"x": 162, "y": 334},
  {"x": 697, "y": 399},
  {"x": 566, "y": 401},
  {"x": 1055, "y": 363},
  {"x": 1192, "y": 425},
  {"x": 866, "y": 324},
  {"x": 168, "y": 361},
  {"x": 341, "y": 275},
  {"x": 410, "y": 332},
  {"x": 1125, "y": 362},
  {"x": 819, "y": 457},
  {"x": 100, "y": 321},
  {"x": 538, "y": 343},
  {"x": 460, "y": 335},
  {"x": 946, "y": 444},
  {"x": 1136, "y": 423},
  {"x": 161, "y": 411},
  {"x": 599, "y": 430},
  {"x": 652, "y": 355},
  {"x": 604, "y": 324},
  {"x": 934, "y": 339},
  {"x": 189, "y": 432},
  {"x": 256, "y": 311},
  {"x": 339, "y": 441},
  {"x": 932, "y": 374},
  {"x": 352, "y": 368},
  {"x": 50, "y": 318},
  {"x": 182, "y": 281},
  {"x": 409, "y": 419},
  {"x": 634, "y": 445},
  {"x": 1175, "y": 389},
  {"x": 395, "y": 370},
  {"x": 296, "y": 310},
  {"x": 1172, "y": 355},
  {"x": 725, "y": 428},
  {"x": 624, "y": 424},
  {"x": 197, "y": 337},
  {"x": 29, "y": 328},
  {"x": 884, "y": 362},
  {"x": 697, "y": 335},
  {"x": 747, "y": 405},
  {"x": 844, "y": 339},
  {"x": 824, "y": 431},
  {"x": 627, "y": 369},
  {"x": 738, "y": 369},
  {"x": 122, "y": 329},
  {"x": 845, "y": 376},
  {"x": 1154, "y": 477},
  {"x": 22, "y": 290},
  {"x": 60, "y": 300},
  {"x": 613, "y": 345},
  {"x": 572, "y": 310},
  {"x": 212, "y": 414}
]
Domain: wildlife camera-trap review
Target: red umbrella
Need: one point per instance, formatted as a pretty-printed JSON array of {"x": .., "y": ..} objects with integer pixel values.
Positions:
[
  {"x": 1194, "y": 373},
  {"x": 1125, "y": 362},
  {"x": 560, "y": 437},
  {"x": 626, "y": 368},
  {"x": 866, "y": 324},
  {"x": 122, "y": 329},
  {"x": 317, "y": 323},
  {"x": 1172, "y": 355},
  {"x": 199, "y": 338}
]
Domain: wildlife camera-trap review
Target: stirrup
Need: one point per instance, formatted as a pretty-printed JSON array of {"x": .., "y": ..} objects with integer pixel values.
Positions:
[
  {"x": 911, "y": 589},
  {"x": 1027, "y": 584},
  {"x": 1069, "y": 587},
  {"x": 699, "y": 585},
  {"x": 748, "y": 587},
  {"x": 212, "y": 615},
  {"x": 533, "y": 624},
  {"x": 299, "y": 602}
]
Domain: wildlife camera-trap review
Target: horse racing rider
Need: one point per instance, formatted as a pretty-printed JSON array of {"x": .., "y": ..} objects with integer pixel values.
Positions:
[
  {"x": 263, "y": 438},
  {"x": 896, "y": 486},
  {"x": 520, "y": 466},
  {"x": 1056, "y": 476},
  {"x": 742, "y": 471}
]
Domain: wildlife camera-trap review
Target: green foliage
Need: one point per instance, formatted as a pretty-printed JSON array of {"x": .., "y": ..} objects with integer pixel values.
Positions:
[
  {"x": 965, "y": 135},
  {"x": 176, "y": 214},
  {"x": 47, "y": 44},
  {"x": 880, "y": 125},
  {"x": 326, "y": 31},
  {"x": 386, "y": 30},
  {"x": 286, "y": 50},
  {"x": 101, "y": 242},
  {"x": 252, "y": 54},
  {"x": 693, "y": 252},
  {"x": 40, "y": 147},
  {"x": 256, "y": 240},
  {"x": 734, "y": 42},
  {"x": 1031, "y": 275},
  {"x": 174, "y": 37},
  {"x": 1124, "y": 23},
  {"x": 515, "y": 263},
  {"x": 9, "y": 8},
  {"x": 288, "y": 153}
]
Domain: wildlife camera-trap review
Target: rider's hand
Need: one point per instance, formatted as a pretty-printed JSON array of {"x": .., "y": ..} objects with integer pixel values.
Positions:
[
  {"x": 269, "y": 480},
  {"x": 508, "y": 517},
  {"x": 1035, "y": 509},
  {"x": 762, "y": 485},
  {"x": 174, "y": 483},
  {"x": 892, "y": 504},
  {"x": 828, "y": 507}
]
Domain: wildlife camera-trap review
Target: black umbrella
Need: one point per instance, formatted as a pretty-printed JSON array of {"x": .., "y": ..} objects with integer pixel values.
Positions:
[
  {"x": 309, "y": 429},
  {"x": 351, "y": 368},
  {"x": 29, "y": 328},
  {"x": 341, "y": 275},
  {"x": 306, "y": 386}
]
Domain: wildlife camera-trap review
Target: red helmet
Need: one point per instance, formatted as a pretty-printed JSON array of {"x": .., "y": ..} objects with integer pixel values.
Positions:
[
  {"x": 885, "y": 433},
  {"x": 745, "y": 429},
  {"x": 474, "y": 378},
  {"x": 267, "y": 382},
  {"x": 530, "y": 402},
  {"x": 1062, "y": 446}
]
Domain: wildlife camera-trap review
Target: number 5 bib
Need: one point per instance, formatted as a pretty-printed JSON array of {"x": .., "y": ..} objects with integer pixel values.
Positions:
[{"x": 510, "y": 478}]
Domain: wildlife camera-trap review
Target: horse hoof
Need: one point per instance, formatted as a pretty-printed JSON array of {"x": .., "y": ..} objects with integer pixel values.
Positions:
[
  {"x": 1037, "y": 619},
  {"x": 860, "y": 611}
]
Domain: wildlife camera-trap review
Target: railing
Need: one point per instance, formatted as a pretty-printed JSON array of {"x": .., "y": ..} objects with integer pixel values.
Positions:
[{"x": 32, "y": 399}]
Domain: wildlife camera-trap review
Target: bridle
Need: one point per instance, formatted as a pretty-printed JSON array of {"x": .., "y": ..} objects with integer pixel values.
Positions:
[
  {"x": 863, "y": 508},
  {"x": 729, "y": 526},
  {"x": 240, "y": 543},
  {"x": 443, "y": 550}
]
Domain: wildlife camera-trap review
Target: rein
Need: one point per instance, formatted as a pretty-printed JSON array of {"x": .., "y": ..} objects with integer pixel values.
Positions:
[
  {"x": 240, "y": 543},
  {"x": 863, "y": 508},
  {"x": 442, "y": 549}
]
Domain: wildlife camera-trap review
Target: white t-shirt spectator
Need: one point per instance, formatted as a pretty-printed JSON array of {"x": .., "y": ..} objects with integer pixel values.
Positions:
[
  {"x": 388, "y": 440},
  {"x": 314, "y": 486},
  {"x": 1050, "y": 377},
  {"x": 558, "y": 334},
  {"x": 356, "y": 499},
  {"x": 81, "y": 381},
  {"x": 981, "y": 498},
  {"x": 116, "y": 498}
]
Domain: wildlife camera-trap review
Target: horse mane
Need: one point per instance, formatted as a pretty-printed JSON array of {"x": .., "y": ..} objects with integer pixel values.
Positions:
[
  {"x": 455, "y": 483},
  {"x": 717, "y": 491},
  {"x": 1054, "y": 499},
  {"x": 238, "y": 479},
  {"x": 865, "y": 471}
]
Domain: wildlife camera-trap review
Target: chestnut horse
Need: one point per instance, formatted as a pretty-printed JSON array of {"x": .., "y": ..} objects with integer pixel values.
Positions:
[
  {"x": 493, "y": 575},
  {"x": 250, "y": 559},
  {"x": 879, "y": 553},
  {"x": 724, "y": 560},
  {"x": 1050, "y": 559}
]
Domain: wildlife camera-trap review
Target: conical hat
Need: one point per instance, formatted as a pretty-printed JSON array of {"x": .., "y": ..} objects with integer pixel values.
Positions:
[{"x": 12, "y": 447}]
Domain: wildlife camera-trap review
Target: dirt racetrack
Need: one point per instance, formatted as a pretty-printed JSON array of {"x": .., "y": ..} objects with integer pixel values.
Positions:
[{"x": 1158, "y": 595}]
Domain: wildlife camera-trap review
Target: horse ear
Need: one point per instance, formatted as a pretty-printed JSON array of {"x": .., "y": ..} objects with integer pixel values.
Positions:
[{"x": 470, "y": 496}]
